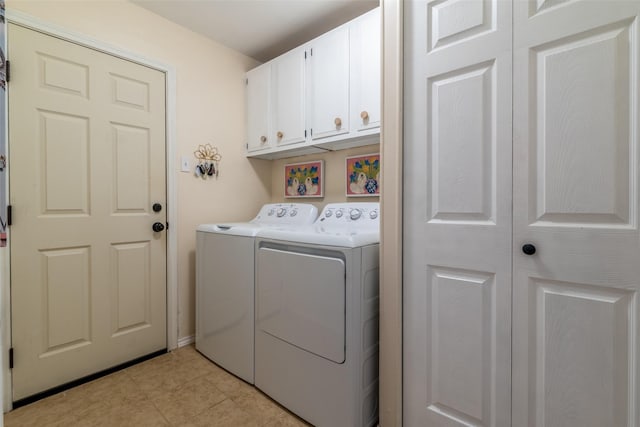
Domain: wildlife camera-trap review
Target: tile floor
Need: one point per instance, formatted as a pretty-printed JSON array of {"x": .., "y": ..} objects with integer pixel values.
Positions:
[{"x": 180, "y": 388}]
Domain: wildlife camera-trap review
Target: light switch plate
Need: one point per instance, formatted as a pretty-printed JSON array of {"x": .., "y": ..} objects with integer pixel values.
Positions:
[{"x": 185, "y": 164}]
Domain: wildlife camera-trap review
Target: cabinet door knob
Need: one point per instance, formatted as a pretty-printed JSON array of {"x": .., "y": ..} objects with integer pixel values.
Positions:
[
  {"x": 338, "y": 121},
  {"x": 280, "y": 135},
  {"x": 364, "y": 115},
  {"x": 529, "y": 249},
  {"x": 263, "y": 139}
]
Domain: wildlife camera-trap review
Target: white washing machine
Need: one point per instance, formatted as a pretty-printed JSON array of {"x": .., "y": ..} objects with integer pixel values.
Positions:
[
  {"x": 316, "y": 337},
  {"x": 225, "y": 285}
]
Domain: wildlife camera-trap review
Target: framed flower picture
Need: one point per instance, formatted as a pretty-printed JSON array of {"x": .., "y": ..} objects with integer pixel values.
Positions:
[
  {"x": 363, "y": 175},
  {"x": 304, "y": 179}
]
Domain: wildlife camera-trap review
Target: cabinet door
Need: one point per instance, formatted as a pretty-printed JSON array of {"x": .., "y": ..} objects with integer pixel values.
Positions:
[
  {"x": 365, "y": 71},
  {"x": 258, "y": 92},
  {"x": 457, "y": 214},
  {"x": 329, "y": 97},
  {"x": 288, "y": 106},
  {"x": 576, "y": 329}
]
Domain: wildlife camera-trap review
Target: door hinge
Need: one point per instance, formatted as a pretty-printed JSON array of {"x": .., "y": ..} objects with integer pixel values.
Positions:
[
  {"x": 311, "y": 131},
  {"x": 167, "y": 226},
  {"x": 305, "y": 54},
  {"x": 311, "y": 51},
  {"x": 7, "y": 72},
  {"x": 9, "y": 215},
  {"x": 11, "y": 358},
  {"x": 305, "y": 133}
]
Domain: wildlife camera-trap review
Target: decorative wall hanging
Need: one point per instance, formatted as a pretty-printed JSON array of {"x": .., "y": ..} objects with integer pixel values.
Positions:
[
  {"x": 304, "y": 179},
  {"x": 208, "y": 161},
  {"x": 363, "y": 175}
]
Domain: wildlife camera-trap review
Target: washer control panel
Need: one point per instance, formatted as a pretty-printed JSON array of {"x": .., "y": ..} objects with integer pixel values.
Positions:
[
  {"x": 355, "y": 214},
  {"x": 287, "y": 213}
]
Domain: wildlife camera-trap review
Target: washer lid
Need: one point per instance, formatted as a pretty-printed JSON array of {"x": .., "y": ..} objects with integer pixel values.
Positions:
[
  {"x": 232, "y": 228},
  {"x": 270, "y": 215}
]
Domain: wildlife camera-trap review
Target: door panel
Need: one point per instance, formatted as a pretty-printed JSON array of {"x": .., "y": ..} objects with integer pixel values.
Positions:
[
  {"x": 459, "y": 386},
  {"x": 88, "y": 274},
  {"x": 66, "y": 292},
  {"x": 457, "y": 213},
  {"x": 131, "y": 187},
  {"x": 461, "y": 157},
  {"x": 576, "y": 333},
  {"x": 130, "y": 298},
  {"x": 65, "y": 163}
]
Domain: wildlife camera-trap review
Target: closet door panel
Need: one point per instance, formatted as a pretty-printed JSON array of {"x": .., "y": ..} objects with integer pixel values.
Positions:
[
  {"x": 457, "y": 243},
  {"x": 576, "y": 330}
]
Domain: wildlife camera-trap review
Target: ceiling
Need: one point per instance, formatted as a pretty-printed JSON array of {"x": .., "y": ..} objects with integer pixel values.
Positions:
[{"x": 261, "y": 29}]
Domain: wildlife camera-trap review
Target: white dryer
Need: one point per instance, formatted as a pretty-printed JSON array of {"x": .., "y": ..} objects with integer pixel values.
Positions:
[
  {"x": 225, "y": 285},
  {"x": 316, "y": 337}
]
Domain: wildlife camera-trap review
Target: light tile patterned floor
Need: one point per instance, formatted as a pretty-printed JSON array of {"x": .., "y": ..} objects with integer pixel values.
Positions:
[{"x": 180, "y": 388}]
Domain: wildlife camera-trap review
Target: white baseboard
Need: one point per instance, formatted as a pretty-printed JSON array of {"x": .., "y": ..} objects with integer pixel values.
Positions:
[{"x": 186, "y": 340}]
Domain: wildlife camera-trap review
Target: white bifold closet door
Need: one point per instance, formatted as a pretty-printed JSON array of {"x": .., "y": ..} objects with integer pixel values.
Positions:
[
  {"x": 493, "y": 336},
  {"x": 576, "y": 331},
  {"x": 457, "y": 239}
]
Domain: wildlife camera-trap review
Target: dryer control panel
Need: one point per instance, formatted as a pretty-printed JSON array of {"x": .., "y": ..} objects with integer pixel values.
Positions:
[{"x": 360, "y": 215}]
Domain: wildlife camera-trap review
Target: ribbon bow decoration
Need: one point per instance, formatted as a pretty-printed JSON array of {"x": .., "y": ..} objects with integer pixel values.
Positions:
[{"x": 208, "y": 161}]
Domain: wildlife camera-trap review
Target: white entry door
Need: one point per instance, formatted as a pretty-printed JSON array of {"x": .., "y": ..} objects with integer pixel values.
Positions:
[
  {"x": 88, "y": 274},
  {"x": 576, "y": 325},
  {"x": 457, "y": 213}
]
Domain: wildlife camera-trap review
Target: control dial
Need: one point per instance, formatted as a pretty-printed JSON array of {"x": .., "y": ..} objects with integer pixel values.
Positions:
[
  {"x": 373, "y": 214},
  {"x": 293, "y": 213},
  {"x": 281, "y": 212},
  {"x": 339, "y": 214},
  {"x": 355, "y": 214},
  {"x": 328, "y": 214}
]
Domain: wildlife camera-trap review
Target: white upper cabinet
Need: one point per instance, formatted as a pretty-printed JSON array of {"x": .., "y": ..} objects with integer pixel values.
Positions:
[
  {"x": 329, "y": 79},
  {"x": 365, "y": 78},
  {"x": 324, "y": 95},
  {"x": 258, "y": 88},
  {"x": 288, "y": 98}
]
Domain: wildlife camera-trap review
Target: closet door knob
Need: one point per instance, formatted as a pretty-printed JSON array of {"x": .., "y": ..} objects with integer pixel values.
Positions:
[
  {"x": 528, "y": 249},
  {"x": 338, "y": 121},
  {"x": 158, "y": 227},
  {"x": 364, "y": 115},
  {"x": 279, "y": 135}
]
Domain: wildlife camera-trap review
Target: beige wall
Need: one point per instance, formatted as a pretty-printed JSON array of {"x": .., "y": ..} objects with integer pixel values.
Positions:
[
  {"x": 334, "y": 177},
  {"x": 210, "y": 109}
]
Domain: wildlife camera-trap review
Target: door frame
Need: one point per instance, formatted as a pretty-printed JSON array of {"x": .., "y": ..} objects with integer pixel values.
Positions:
[
  {"x": 391, "y": 205},
  {"x": 44, "y": 27}
]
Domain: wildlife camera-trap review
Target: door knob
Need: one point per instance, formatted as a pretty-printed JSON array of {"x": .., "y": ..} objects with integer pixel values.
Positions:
[
  {"x": 157, "y": 207},
  {"x": 528, "y": 249},
  {"x": 158, "y": 227}
]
